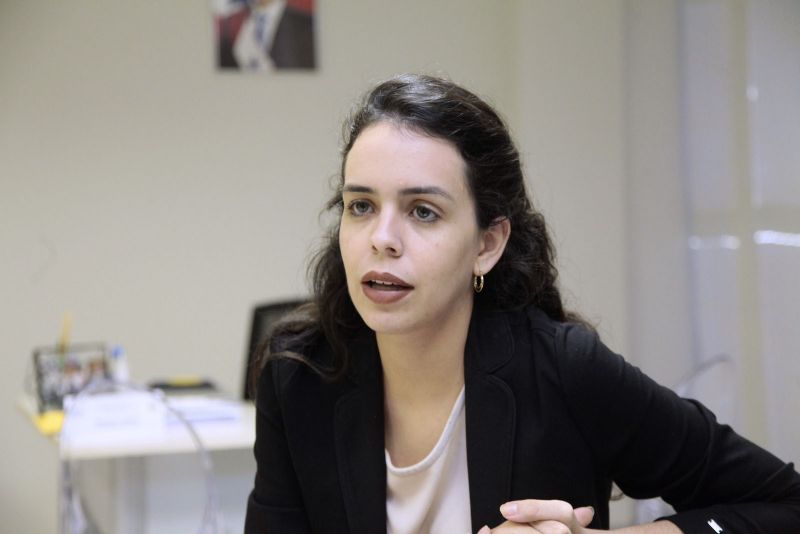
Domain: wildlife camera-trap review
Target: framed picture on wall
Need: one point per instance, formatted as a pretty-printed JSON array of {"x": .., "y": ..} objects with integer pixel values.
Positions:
[{"x": 264, "y": 35}]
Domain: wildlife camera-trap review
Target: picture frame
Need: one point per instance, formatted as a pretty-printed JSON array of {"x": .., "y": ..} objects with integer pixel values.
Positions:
[{"x": 62, "y": 371}]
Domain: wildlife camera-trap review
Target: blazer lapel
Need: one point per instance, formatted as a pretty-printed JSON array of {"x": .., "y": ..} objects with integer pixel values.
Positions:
[
  {"x": 490, "y": 415},
  {"x": 358, "y": 426}
]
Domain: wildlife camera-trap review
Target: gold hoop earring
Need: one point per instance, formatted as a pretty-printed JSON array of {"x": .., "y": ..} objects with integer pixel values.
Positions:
[{"x": 477, "y": 283}]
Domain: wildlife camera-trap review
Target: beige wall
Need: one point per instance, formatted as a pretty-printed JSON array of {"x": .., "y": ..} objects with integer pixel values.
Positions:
[
  {"x": 157, "y": 199},
  {"x": 570, "y": 97}
]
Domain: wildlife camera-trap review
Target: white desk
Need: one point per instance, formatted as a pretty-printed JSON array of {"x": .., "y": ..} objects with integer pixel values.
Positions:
[
  {"x": 155, "y": 485},
  {"x": 215, "y": 436}
]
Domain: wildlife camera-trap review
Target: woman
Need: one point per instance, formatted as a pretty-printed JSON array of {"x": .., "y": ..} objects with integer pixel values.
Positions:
[{"x": 437, "y": 376}]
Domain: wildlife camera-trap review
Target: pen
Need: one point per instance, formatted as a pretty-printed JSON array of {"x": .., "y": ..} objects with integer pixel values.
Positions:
[{"x": 66, "y": 328}]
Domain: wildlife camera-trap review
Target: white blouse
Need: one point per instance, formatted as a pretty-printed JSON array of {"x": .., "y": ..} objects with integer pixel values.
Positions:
[{"x": 433, "y": 495}]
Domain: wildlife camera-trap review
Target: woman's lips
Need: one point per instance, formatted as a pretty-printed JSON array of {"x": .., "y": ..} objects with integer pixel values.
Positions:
[{"x": 384, "y": 288}]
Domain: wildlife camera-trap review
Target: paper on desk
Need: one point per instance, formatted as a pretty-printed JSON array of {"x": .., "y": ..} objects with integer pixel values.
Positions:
[
  {"x": 104, "y": 419},
  {"x": 108, "y": 419},
  {"x": 201, "y": 409}
]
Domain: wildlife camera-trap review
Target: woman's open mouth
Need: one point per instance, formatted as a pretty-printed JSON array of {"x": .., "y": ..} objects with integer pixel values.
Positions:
[{"x": 384, "y": 288}]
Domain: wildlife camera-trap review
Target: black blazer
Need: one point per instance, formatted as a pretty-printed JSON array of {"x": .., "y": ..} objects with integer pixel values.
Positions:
[{"x": 551, "y": 413}]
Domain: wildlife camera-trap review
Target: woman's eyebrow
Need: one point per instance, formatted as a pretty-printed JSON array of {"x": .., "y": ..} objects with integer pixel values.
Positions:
[
  {"x": 426, "y": 190},
  {"x": 354, "y": 188},
  {"x": 430, "y": 190}
]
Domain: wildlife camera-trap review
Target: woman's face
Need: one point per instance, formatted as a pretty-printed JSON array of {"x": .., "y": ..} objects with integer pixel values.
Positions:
[{"x": 409, "y": 236}]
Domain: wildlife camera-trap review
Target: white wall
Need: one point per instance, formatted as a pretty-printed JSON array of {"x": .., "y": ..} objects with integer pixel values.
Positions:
[
  {"x": 659, "y": 292},
  {"x": 571, "y": 97},
  {"x": 157, "y": 199}
]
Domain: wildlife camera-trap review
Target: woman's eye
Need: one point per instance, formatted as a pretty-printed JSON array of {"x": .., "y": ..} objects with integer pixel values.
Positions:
[
  {"x": 359, "y": 207},
  {"x": 424, "y": 213}
]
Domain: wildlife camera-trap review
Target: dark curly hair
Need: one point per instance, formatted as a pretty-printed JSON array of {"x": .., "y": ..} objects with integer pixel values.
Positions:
[{"x": 526, "y": 272}]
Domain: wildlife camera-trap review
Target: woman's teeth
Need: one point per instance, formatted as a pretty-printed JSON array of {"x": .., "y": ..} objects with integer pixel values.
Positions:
[{"x": 384, "y": 285}]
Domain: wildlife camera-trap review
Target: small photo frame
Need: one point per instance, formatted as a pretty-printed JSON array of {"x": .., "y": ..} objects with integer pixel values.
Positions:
[
  {"x": 65, "y": 371},
  {"x": 264, "y": 35}
]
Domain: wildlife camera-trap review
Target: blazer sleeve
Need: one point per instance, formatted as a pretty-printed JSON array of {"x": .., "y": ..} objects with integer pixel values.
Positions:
[
  {"x": 653, "y": 443},
  {"x": 275, "y": 504}
]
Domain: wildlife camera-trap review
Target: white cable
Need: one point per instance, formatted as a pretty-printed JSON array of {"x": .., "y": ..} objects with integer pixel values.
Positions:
[{"x": 73, "y": 518}]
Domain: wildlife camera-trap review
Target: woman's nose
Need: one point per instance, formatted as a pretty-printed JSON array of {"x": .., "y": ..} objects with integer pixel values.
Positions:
[{"x": 386, "y": 238}]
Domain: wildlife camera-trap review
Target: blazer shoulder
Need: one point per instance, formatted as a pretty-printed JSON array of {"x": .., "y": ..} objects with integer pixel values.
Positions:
[
  {"x": 573, "y": 349},
  {"x": 566, "y": 335}
]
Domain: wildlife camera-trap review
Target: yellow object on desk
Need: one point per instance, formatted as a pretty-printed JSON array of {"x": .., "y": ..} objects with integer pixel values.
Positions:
[{"x": 48, "y": 423}]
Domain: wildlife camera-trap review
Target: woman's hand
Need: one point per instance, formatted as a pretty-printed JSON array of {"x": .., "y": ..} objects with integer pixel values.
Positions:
[
  {"x": 542, "y": 517},
  {"x": 532, "y": 516}
]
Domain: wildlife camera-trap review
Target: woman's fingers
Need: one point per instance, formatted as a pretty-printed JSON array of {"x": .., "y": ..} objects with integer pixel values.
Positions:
[
  {"x": 584, "y": 515},
  {"x": 551, "y": 527},
  {"x": 544, "y": 517},
  {"x": 509, "y": 527},
  {"x": 531, "y": 510}
]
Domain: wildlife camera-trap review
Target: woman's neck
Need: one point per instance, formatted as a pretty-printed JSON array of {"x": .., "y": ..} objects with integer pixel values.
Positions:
[
  {"x": 423, "y": 373},
  {"x": 424, "y": 367}
]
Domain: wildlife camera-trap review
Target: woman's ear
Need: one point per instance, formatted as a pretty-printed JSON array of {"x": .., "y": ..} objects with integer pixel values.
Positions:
[{"x": 493, "y": 243}]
